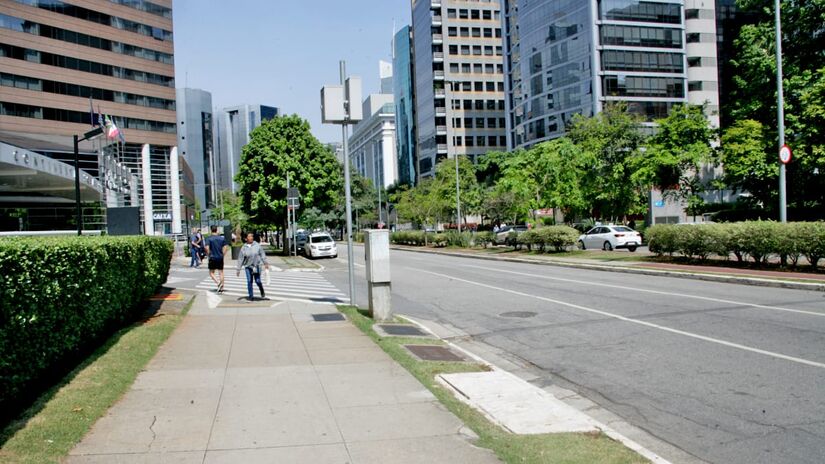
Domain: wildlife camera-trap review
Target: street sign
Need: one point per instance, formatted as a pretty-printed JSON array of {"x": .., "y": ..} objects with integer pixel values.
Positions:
[
  {"x": 292, "y": 193},
  {"x": 785, "y": 154}
]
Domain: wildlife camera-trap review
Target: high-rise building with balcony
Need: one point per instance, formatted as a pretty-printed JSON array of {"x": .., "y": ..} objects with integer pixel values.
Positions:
[
  {"x": 567, "y": 57},
  {"x": 56, "y": 56},
  {"x": 702, "y": 61},
  {"x": 404, "y": 106},
  {"x": 459, "y": 86}
]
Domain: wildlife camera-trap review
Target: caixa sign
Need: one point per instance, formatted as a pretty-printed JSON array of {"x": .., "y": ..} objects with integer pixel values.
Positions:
[{"x": 162, "y": 216}]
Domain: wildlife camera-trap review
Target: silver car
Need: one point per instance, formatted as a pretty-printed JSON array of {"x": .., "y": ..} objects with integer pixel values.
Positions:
[{"x": 320, "y": 244}]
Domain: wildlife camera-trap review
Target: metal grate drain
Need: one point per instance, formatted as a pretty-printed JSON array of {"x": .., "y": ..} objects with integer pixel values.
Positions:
[
  {"x": 328, "y": 317},
  {"x": 434, "y": 353}
]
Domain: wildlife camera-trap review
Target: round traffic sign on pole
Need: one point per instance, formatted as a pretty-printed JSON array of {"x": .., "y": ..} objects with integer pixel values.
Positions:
[{"x": 785, "y": 154}]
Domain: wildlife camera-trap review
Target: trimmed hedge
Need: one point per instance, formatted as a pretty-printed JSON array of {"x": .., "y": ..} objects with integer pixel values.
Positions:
[
  {"x": 58, "y": 295},
  {"x": 755, "y": 240},
  {"x": 557, "y": 238}
]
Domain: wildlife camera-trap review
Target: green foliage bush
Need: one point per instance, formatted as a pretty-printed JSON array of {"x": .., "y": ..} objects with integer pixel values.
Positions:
[
  {"x": 458, "y": 239},
  {"x": 755, "y": 240},
  {"x": 557, "y": 238},
  {"x": 484, "y": 239},
  {"x": 58, "y": 295}
]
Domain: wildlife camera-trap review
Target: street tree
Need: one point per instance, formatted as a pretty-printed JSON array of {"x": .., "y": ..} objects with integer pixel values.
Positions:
[
  {"x": 676, "y": 156},
  {"x": 755, "y": 98},
  {"x": 279, "y": 146},
  {"x": 470, "y": 194},
  {"x": 747, "y": 166},
  {"x": 610, "y": 140}
]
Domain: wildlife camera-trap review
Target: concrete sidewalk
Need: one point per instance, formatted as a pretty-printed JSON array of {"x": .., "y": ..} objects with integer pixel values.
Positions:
[{"x": 265, "y": 382}]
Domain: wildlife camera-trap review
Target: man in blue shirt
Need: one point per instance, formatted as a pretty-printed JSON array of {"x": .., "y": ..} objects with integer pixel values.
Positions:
[{"x": 216, "y": 249}]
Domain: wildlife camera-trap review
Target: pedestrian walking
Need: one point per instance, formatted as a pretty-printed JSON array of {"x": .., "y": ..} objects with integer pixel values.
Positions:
[
  {"x": 201, "y": 246},
  {"x": 194, "y": 249},
  {"x": 252, "y": 260},
  {"x": 216, "y": 251}
]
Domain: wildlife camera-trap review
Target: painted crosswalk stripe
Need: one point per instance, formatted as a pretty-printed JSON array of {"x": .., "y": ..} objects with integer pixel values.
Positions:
[{"x": 303, "y": 286}]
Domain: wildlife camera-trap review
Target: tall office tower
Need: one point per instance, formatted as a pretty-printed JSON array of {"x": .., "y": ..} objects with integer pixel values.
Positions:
[
  {"x": 567, "y": 57},
  {"x": 372, "y": 143},
  {"x": 233, "y": 126},
  {"x": 55, "y": 56},
  {"x": 195, "y": 138},
  {"x": 459, "y": 87},
  {"x": 702, "y": 61},
  {"x": 404, "y": 106},
  {"x": 729, "y": 21}
]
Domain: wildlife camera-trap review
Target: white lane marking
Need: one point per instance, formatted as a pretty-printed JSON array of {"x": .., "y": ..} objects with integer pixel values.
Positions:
[
  {"x": 636, "y": 321},
  {"x": 657, "y": 292}
]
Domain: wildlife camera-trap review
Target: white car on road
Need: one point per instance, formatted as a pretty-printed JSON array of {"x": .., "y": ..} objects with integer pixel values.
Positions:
[
  {"x": 320, "y": 244},
  {"x": 610, "y": 237}
]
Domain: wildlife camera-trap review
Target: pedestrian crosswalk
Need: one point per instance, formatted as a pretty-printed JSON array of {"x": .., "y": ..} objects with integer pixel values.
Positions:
[{"x": 311, "y": 286}]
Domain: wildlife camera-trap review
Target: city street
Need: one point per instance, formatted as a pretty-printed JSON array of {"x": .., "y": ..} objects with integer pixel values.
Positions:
[{"x": 727, "y": 373}]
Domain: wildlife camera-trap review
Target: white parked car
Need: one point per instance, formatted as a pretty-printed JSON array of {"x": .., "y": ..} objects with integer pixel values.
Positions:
[
  {"x": 320, "y": 244},
  {"x": 610, "y": 237}
]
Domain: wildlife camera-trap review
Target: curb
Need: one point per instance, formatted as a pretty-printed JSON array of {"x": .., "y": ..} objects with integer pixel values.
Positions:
[
  {"x": 755, "y": 281},
  {"x": 643, "y": 451}
]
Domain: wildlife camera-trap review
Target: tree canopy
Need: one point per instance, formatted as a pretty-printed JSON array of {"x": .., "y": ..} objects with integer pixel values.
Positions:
[{"x": 279, "y": 146}]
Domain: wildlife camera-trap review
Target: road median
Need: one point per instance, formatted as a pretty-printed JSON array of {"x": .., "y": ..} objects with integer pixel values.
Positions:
[{"x": 721, "y": 274}]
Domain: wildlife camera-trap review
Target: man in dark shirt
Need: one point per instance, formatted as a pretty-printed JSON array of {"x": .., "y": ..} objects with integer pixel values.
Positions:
[{"x": 216, "y": 249}]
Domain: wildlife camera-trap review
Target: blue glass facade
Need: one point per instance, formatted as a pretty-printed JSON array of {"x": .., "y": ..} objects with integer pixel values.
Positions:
[
  {"x": 404, "y": 106},
  {"x": 567, "y": 57}
]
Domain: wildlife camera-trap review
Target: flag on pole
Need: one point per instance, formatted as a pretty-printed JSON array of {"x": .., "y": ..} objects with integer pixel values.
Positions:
[
  {"x": 91, "y": 112},
  {"x": 112, "y": 131}
]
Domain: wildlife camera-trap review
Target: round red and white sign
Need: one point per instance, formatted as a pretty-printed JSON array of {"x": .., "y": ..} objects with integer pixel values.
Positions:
[{"x": 785, "y": 154}]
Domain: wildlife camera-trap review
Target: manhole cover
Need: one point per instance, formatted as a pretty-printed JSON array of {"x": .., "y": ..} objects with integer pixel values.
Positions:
[
  {"x": 433, "y": 353},
  {"x": 405, "y": 330},
  {"x": 521, "y": 314},
  {"x": 328, "y": 317}
]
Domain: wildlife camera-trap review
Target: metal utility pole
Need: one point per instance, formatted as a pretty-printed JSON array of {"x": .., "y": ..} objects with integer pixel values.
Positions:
[
  {"x": 288, "y": 231},
  {"x": 347, "y": 190},
  {"x": 780, "y": 114},
  {"x": 449, "y": 101}
]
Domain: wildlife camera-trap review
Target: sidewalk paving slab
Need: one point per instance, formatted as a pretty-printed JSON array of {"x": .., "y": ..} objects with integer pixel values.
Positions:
[{"x": 265, "y": 384}]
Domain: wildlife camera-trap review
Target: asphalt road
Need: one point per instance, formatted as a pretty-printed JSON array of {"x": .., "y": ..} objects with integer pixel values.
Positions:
[{"x": 726, "y": 373}]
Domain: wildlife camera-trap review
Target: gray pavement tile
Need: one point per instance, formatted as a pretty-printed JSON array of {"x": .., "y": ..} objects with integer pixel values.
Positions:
[
  {"x": 450, "y": 449},
  {"x": 322, "y": 454},
  {"x": 154, "y": 420},
  {"x": 182, "y": 361},
  {"x": 179, "y": 378},
  {"x": 347, "y": 356},
  {"x": 394, "y": 421},
  {"x": 180, "y": 457},
  {"x": 348, "y": 385},
  {"x": 245, "y": 423},
  {"x": 326, "y": 329},
  {"x": 356, "y": 341},
  {"x": 252, "y": 357},
  {"x": 280, "y": 377}
]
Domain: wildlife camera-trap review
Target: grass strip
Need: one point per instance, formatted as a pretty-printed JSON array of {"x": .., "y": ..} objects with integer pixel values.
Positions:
[
  {"x": 61, "y": 417},
  {"x": 561, "y": 448}
]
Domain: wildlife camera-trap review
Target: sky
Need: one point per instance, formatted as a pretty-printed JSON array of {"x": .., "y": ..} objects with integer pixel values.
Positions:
[{"x": 281, "y": 52}]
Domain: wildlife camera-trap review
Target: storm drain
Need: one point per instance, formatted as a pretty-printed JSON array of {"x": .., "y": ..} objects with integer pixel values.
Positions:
[
  {"x": 400, "y": 330},
  {"x": 518, "y": 314},
  {"x": 434, "y": 353},
  {"x": 328, "y": 317}
]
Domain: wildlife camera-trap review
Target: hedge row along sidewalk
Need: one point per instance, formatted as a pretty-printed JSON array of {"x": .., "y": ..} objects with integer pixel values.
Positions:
[{"x": 60, "y": 296}]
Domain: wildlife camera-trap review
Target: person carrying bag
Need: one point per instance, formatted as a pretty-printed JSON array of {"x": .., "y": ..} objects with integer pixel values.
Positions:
[{"x": 252, "y": 260}]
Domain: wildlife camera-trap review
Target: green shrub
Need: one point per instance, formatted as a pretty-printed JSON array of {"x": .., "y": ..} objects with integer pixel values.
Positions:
[
  {"x": 661, "y": 239},
  {"x": 559, "y": 238},
  {"x": 811, "y": 236},
  {"x": 484, "y": 239},
  {"x": 455, "y": 238},
  {"x": 59, "y": 295},
  {"x": 531, "y": 239}
]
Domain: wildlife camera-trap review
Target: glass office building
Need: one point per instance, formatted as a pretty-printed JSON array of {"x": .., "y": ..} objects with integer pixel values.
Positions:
[
  {"x": 404, "y": 106},
  {"x": 567, "y": 57}
]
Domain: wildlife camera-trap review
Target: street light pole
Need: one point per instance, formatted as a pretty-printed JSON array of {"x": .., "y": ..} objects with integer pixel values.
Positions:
[
  {"x": 347, "y": 189},
  {"x": 455, "y": 155},
  {"x": 78, "y": 208},
  {"x": 780, "y": 114}
]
